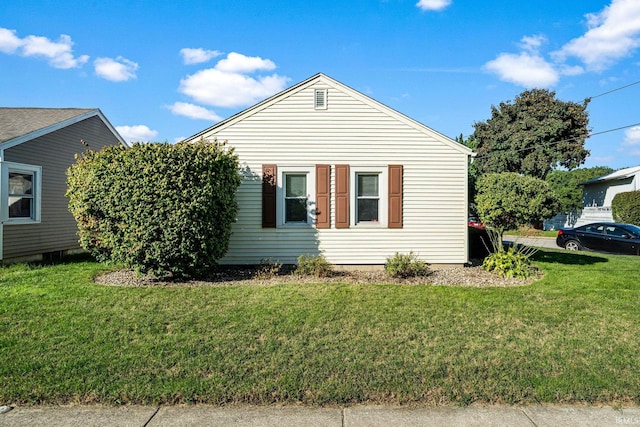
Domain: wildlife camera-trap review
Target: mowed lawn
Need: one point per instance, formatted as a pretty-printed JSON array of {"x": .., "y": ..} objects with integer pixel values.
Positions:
[{"x": 571, "y": 337}]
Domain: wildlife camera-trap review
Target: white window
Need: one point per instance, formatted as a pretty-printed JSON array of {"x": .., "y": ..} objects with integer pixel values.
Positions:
[
  {"x": 20, "y": 193},
  {"x": 367, "y": 197},
  {"x": 296, "y": 195},
  {"x": 295, "y": 198},
  {"x": 320, "y": 99},
  {"x": 369, "y": 201}
]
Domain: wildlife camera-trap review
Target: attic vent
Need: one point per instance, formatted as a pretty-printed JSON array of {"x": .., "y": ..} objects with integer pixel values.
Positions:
[{"x": 320, "y": 99}]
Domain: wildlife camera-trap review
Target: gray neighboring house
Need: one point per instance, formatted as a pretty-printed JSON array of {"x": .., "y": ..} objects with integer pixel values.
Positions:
[
  {"x": 597, "y": 195},
  {"x": 37, "y": 145}
]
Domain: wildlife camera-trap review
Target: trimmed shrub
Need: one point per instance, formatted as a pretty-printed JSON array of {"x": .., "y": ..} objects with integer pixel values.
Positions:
[
  {"x": 625, "y": 207},
  {"x": 156, "y": 208},
  {"x": 406, "y": 265},
  {"x": 313, "y": 265}
]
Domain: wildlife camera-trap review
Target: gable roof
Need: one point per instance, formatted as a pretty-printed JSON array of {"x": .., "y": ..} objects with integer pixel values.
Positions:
[
  {"x": 619, "y": 174},
  {"x": 344, "y": 88},
  {"x": 18, "y": 125}
]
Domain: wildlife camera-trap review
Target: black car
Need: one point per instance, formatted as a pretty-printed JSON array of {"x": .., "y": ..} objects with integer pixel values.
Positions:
[{"x": 601, "y": 236}]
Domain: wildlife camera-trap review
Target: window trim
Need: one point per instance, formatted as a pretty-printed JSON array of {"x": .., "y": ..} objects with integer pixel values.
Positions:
[
  {"x": 309, "y": 171},
  {"x": 36, "y": 172},
  {"x": 383, "y": 196}
]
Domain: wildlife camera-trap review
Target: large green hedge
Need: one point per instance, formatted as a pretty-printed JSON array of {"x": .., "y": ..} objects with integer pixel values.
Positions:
[
  {"x": 156, "y": 207},
  {"x": 626, "y": 207}
]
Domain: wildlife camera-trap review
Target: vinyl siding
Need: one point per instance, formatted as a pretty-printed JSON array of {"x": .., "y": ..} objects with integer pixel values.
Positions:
[
  {"x": 290, "y": 132},
  {"x": 55, "y": 153}
]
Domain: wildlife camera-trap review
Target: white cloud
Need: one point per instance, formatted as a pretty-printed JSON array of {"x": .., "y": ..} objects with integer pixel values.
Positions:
[
  {"x": 433, "y": 4},
  {"x": 9, "y": 42},
  {"x": 198, "y": 56},
  {"x": 137, "y": 133},
  {"x": 229, "y": 84},
  {"x": 193, "y": 111},
  {"x": 632, "y": 136},
  {"x": 59, "y": 53},
  {"x": 524, "y": 69},
  {"x": 532, "y": 43},
  {"x": 613, "y": 34},
  {"x": 239, "y": 63},
  {"x": 115, "y": 70}
]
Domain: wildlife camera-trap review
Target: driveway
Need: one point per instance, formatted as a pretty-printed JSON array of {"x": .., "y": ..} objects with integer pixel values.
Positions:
[{"x": 538, "y": 242}]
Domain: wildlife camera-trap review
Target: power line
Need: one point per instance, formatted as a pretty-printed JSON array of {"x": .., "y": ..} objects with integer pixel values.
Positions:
[{"x": 614, "y": 90}]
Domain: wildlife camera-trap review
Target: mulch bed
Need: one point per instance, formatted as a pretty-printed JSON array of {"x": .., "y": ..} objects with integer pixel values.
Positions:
[{"x": 472, "y": 275}]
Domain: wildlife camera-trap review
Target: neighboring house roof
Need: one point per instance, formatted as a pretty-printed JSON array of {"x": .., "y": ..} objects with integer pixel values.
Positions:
[
  {"x": 336, "y": 84},
  {"x": 619, "y": 174},
  {"x": 18, "y": 125}
]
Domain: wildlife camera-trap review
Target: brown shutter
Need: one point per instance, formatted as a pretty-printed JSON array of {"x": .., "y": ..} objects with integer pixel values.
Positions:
[
  {"x": 342, "y": 196},
  {"x": 269, "y": 182},
  {"x": 322, "y": 196},
  {"x": 395, "y": 196}
]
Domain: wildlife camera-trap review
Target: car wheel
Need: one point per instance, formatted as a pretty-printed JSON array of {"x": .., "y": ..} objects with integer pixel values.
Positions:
[{"x": 572, "y": 245}]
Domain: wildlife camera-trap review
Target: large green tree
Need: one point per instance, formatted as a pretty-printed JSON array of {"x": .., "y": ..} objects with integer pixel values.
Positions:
[
  {"x": 508, "y": 200},
  {"x": 566, "y": 185},
  {"x": 532, "y": 135}
]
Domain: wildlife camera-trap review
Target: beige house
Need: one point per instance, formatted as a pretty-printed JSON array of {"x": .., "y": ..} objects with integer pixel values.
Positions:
[
  {"x": 328, "y": 170},
  {"x": 37, "y": 145}
]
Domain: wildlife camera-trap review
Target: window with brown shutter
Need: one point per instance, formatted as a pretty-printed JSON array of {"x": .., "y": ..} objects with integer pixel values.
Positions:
[
  {"x": 269, "y": 184},
  {"x": 395, "y": 196},
  {"x": 342, "y": 196},
  {"x": 323, "y": 183}
]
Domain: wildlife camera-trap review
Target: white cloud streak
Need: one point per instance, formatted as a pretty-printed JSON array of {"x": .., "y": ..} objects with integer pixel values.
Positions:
[
  {"x": 58, "y": 53},
  {"x": 527, "y": 68},
  {"x": 136, "y": 133},
  {"x": 632, "y": 136},
  {"x": 198, "y": 55},
  {"x": 115, "y": 70},
  {"x": 9, "y": 42},
  {"x": 229, "y": 83},
  {"x": 193, "y": 111},
  {"x": 433, "y": 4},
  {"x": 612, "y": 34}
]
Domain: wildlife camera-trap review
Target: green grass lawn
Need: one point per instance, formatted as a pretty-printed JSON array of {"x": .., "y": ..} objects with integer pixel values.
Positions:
[{"x": 570, "y": 337}]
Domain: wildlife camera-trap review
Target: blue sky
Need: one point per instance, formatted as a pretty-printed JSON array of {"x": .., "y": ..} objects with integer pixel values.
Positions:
[{"x": 164, "y": 70}]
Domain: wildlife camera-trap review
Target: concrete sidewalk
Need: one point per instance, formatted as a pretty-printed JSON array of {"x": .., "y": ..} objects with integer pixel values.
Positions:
[{"x": 285, "y": 416}]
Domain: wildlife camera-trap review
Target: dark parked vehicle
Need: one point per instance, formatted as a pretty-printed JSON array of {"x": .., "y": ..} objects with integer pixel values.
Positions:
[{"x": 601, "y": 236}]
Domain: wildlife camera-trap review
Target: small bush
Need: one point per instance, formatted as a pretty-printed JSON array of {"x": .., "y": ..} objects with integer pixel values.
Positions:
[
  {"x": 625, "y": 207},
  {"x": 313, "y": 265},
  {"x": 267, "y": 269},
  {"x": 406, "y": 265},
  {"x": 509, "y": 263}
]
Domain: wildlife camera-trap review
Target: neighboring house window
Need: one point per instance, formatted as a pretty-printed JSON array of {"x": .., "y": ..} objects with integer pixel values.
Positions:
[
  {"x": 295, "y": 198},
  {"x": 320, "y": 99},
  {"x": 367, "y": 197},
  {"x": 20, "y": 193}
]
